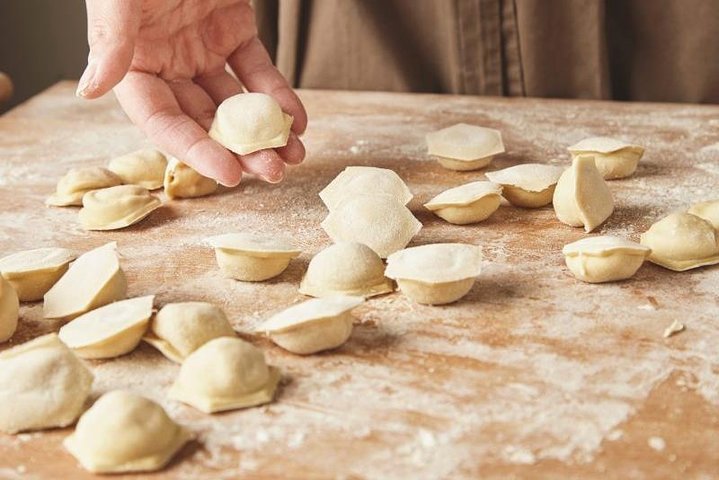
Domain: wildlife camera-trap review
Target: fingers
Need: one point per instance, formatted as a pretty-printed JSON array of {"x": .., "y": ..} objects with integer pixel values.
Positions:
[
  {"x": 219, "y": 86},
  {"x": 112, "y": 26},
  {"x": 294, "y": 152},
  {"x": 194, "y": 101},
  {"x": 266, "y": 164},
  {"x": 152, "y": 106},
  {"x": 255, "y": 70}
]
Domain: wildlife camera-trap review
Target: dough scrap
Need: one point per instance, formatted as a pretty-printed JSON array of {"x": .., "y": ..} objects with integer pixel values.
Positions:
[
  {"x": 253, "y": 257},
  {"x": 464, "y": 147},
  {"x": 179, "y": 329},
  {"x": 582, "y": 197},
  {"x": 604, "y": 258},
  {"x": 225, "y": 374},
  {"x": 109, "y": 331},
  {"x": 313, "y": 326},
  {"x": 42, "y": 385},
  {"x": 93, "y": 280},
  {"x": 33, "y": 272},
  {"x": 249, "y": 122},
  {"x": 365, "y": 180},
  {"x": 709, "y": 211},
  {"x": 78, "y": 181},
  {"x": 468, "y": 203},
  {"x": 116, "y": 207},
  {"x": 182, "y": 181},
  {"x": 346, "y": 268},
  {"x": 529, "y": 185},
  {"x": 614, "y": 158},
  {"x": 436, "y": 274},
  {"x": 145, "y": 168},
  {"x": 9, "y": 310},
  {"x": 124, "y": 432},
  {"x": 682, "y": 241},
  {"x": 379, "y": 222}
]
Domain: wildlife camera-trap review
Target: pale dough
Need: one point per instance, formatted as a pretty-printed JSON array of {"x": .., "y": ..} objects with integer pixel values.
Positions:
[
  {"x": 253, "y": 257},
  {"x": 582, "y": 197},
  {"x": 436, "y": 274},
  {"x": 313, "y": 326},
  {"x": 250, "y": 122},
  {"x": 93, "y": 280},
  {"x": 179, "y": 329},
  {"x": 469, "y": 203},
  {"x": 42, "y": 385},
  {"x": 145, "y": 168},
  {"x": 682, "y": 241},
  {"x": 464, "y": 147},
  {"x": 709, "y": 211},
  {"x": 365, "y": 180},
  {"x": 604, "y": 258},
  {"x": 225, "y": 374},
  {"x": 345, "y": 268},
  {"x": 614, "y": 158},
  {"x": 116, "y": 207},
  {"x": 78, "y": 181},
  {"x": 33, "y": 272},
  {"x": 529, "y": 185},
  {"x": 109, "y": 331},
  {"x": 9, "y": 310},
  {"x": 124, "y": 432},
  {"x": 182, "y": 181}
]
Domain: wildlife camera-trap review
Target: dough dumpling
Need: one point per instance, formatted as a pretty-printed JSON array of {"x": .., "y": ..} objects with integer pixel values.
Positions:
[
  {"x": 42, "y": 385},
  {"x": 614, "y": 158},
  {"x": 529, "y": 185},
  {"x": 582, "y": 197},
  {"x": 465, "y": 147},
  {"x": 253, "y": 257},
  {"x": 116, "y": 207},
  {"x": 365, "y": 180},
  {"x": 604, "y": 258},
  {"x": 33, "y": 272},
  {"x": 182, "y": 181},
  {"x": 124, "y": 432},
  {"x": 682, "y": 241},
  {"x": 249, "y": 122},
  {"x": 145, "y": 168},
  {"x": 225, "y": 374},
  {"x": 9, "y": 310},
  {"x": 78, "y": 181},
  {"x": 709, "y": 211},
  {"x": 469, "y": 203}
]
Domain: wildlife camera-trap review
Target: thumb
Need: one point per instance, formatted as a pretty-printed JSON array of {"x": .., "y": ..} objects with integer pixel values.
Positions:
[{"x": 112, "y": 27}]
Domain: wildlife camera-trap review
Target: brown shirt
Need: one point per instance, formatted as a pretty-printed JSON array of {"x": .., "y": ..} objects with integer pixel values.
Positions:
[{"x": 650, "y": 50}]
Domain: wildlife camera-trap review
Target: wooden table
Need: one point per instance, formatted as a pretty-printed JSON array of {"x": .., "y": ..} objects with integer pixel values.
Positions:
[{"x": 533, "y": 375}]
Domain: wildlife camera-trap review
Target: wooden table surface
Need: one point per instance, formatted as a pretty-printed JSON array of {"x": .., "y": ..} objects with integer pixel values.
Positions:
[{"x": 532, "y": 375}]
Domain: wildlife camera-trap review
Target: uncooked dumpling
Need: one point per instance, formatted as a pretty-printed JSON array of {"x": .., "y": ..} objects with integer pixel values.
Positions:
[
  {"x": 109, "y": 331},
  {"x": 145, "y": 168},
  {"x": 42, "y": 385},
  {"x": 249, "y": 122},
  {"x": 116, "y": 207},
  {"x": 124, "y": 432},
  {"x": 9, "y": 310},
  {"x": 465, "y": 147},
  {"x": 181, "y": 181},
  {"x": 530, "y": 185},
  {"x": 78, "y": 181},
  {"x": 380, "y": 222},
  {"x": 582, "y": 197},
  {"x": 312, "y": 326},
  {"x": 253, "y": 257},
  {"x": 345, "y": 268},
  {"x": 682, "y": 241},
  {"x": 469, "y": 203},
  {"x": 614, "y": 158},
  {"x": 709, "y": 211},
  {"x": 365, "y": 180},
  {"x": 179, "y": 329},
  {"x": 93, "y": 280},
  {"x": 604, "y": 258},
  {"x": 33, "y": 272},
  {"x": 225, "y": 374},
  {"x": 435, "y": 274}
]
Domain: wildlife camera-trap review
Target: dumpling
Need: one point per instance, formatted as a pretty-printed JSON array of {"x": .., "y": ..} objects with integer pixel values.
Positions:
[
  {"x": 78, "y": 181},
  {"x": 179, "y": 329},
  {"x": 124, "y": 432},
  {"x": 380, "y": 222},
  {"x": 42, "y": 385},
  {"x": 582, "y": 197},
  {"x": 250, "y": 122},
  {"x": 313, "y": 326},
  {"x": 614, "y": 158},
  {"x": 109, "y": 331},
  {"x": 181, "y": 181},
  {"x": 464, "y": 147},
  {"x": 33, "y": 272},
  {"x": 709, "y": 211},
  {"x": 469, "y": 203},
  {"x": 365, "y": 180},
  {"x": 529, "y": 185},
  {"x": 116, "y": 207},
  {"x": 225, "y": 374},
  {"x": 682, "y": 241},
  {"x": 145, "y": 168},
  {"x": 9, "y": 310},
  {"x": 253, "y": 257},
  {"x": 93, "y": 280},
  {"x": 604, "y": 258},
  {"x": 435, "y": 274},
  {"x": 346, "y": 268}
]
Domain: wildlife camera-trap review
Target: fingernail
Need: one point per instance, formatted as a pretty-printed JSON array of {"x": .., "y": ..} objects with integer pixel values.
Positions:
[
  {"x": 86, "y": 81},
  {"x": 274, "y": 177}
]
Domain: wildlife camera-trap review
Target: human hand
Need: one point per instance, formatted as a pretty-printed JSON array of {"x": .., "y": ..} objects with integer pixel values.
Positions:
[{"x": 166, "y": 61}]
